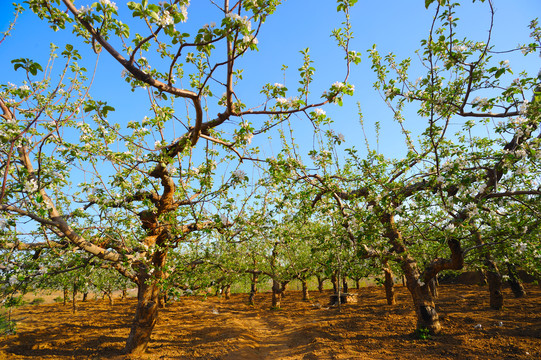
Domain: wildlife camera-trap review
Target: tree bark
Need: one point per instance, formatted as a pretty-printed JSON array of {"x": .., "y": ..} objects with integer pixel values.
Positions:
[
  {"x": 305, "y": 294},
  {"x": 320, "y": 283},
  {"x": 514, "y": 281},
  {"x": 74, "y": 299},
  {"x": 146, "y": 315},
  {"x": 494, "y": 279},
  {"x": 283, "y": 286},
  {"x": 66, "y": 296},
  {"x": 276, "y": 295},
  {"x": 227, "y": 291},
  {"x": 432, "y": 284},
  {"x": 253, "y": 289},
  {"x": 389, "y": 286},
  {"x": 85, "y": 295},
  {"x": 345, "y": 286},
  {"x": 357, "y": 283},
  {"x": 334, "y": 280}
]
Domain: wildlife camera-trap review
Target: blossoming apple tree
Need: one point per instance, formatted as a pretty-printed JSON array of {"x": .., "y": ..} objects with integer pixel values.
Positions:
[{"x": 128, "y": 193}]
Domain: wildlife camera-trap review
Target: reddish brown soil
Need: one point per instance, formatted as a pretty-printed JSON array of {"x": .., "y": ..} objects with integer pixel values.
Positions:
[{"x": 214, "y": 328}]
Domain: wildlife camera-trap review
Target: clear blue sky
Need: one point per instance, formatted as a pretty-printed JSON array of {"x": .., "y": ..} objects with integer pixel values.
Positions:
[{"x": 393, "y": 25}]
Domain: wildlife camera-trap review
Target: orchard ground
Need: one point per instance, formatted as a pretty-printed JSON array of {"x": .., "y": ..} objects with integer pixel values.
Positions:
[{"x": 211, "y": 327}]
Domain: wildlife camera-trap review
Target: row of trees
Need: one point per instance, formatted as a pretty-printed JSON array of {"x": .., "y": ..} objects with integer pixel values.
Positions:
[{"x": 166, "y": 202}]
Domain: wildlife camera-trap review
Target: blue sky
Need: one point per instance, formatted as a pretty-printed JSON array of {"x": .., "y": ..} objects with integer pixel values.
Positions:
[{"x": 393, "y": 25}]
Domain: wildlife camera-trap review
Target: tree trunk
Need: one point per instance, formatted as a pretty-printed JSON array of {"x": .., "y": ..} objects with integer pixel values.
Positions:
[
  {"x": 253, "y": 290},
  {"x": 146, "y": 316},
  {"x": 74, "y": 299},
  {"x": 514, "y": 281},
  {"x": 227, "y": 291},
  {"x": 109, "y": 294},
  {"x": 334, "y": 280},
  {"x": 494, "y": 279},
  {"x": 320, "y": 282},
  {"x": 345, "y": 286},
  {"x": 283, "y": 286},
  {"x": 124, "y": 294},
  {"x": 427, "y": 317},
  {"x": 432, "y": 284},
  {"x": 305, "y": 295},
  {"x": 66, "y": 296},
  {"x": 162, "y": 301},
  {"x": 389, "y": 286},
  {"x": 276, "y": 295},
  {"x": 85, "y": 295},
  {"x": 357, "y": 283}
]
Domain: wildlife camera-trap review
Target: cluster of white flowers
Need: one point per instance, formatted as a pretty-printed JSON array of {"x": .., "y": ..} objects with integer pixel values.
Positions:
[
  {"x": 278, "y": 85},
  {"x": 479, "y": 102},
  {"x": 239, "y": 174},
  {"x": 31, "y": 186},
  {"x": 249, "y": 39},
  {"x": 236, "y": 18},
  {"x": 338, "y": 85},
  {"x": 459, "y": 48},
  {"x": 166, "y": 19},
  {"x": 505, "y": 64},
  {"x": 341, "y": 137},
  {"x": 408, "y": 95},
  {"x": 109, "y": 3},
  {"x": 440, "y": 179},
  {"x": 184, "y": 11},
  {"x": 523, "y": 109},
  {"x": 520, "y": 247},
  {"x": 319, "y": 112},
  {"x": 282, "y": 101},
  {"x": 389, "y": 92},
  {"x": 85, "y": 10},
  {"x": 12, "y": 280}
]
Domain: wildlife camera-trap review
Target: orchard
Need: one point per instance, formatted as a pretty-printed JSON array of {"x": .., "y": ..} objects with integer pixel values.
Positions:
[{"x": 188, "y": 150}]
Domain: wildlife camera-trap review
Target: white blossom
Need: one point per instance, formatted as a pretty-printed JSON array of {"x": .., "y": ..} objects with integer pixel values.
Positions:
[
  {"x": 109, "y": 3},
  {"x": 459, "y": 48},
  {"x": 85, "y": 10},
  {"x": 278, "y": 85},
  {"x": 319, "y": 112},
  {"x": 239, "y": 174},
  {"x": 282, "y": 101},
  {"x": 31, "y": 186}
]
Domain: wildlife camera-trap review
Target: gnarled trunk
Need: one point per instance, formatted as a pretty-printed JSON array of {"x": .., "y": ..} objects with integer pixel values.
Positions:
[
  {"x": 389, "y": 286},
  {"x": 305, "y": 295},
  {"x": 514, "y": 281},
  {"x": 146, "y": 316},
  {"x": 427, "y": 317}
]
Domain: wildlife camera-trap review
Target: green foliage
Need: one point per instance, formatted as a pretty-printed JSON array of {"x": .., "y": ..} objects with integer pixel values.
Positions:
[{"x": 422, "y": 334}]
